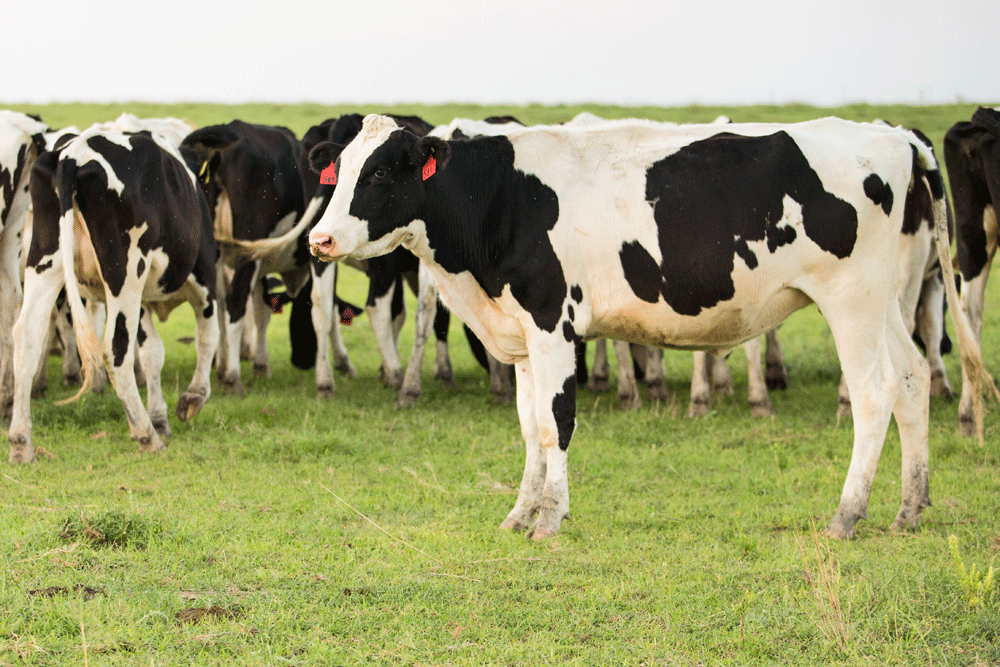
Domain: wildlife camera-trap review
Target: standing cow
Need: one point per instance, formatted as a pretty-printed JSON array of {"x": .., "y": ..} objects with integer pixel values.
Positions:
[
  {"x": 972, "y": 156},
  {"x": 698, "y": 237},
  {"x": 118, "y": 218},
  {"x": 21, "y": 141}
]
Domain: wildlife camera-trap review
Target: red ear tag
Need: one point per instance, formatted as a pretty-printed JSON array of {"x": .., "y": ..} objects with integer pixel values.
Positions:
[
  {"x": 430, "y": 167},
  {"x": 329, "y": 175}
]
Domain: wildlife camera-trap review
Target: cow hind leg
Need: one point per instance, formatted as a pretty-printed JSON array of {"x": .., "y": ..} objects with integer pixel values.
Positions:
[
  {"x": 261, "y": 319},
  {"x": 757, "y": 396},
  {"x": 629, "y": 397},
  {"x": 423, "y": 321},
  {"x": 529, "y": 495},
  {"x": 655, "y": 380},
  {"x": 119, "y": 356},
  {"x": 207, "y": 335},
  {"x": 151, "y": 356},
  {"x": 930, "y": 325},
  {"x": 40, "y": 291},
  {"x": 864, "y": 342},
  {"x": 776, "y": 372},
  {"x": 599, "y": 372},
  {"x": 323, "y": 312}
]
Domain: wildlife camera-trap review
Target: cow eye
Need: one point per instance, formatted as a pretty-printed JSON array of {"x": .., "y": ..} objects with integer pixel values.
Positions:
[{"x": 380, "y": 173}]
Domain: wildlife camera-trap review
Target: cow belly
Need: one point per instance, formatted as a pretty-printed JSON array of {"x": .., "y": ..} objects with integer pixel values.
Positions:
[{"x": 721, "y": 327}]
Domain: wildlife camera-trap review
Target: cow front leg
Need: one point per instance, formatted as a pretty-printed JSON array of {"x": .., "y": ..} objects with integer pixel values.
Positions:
[
  {"x": 599, "y": 372},
  {"x": 701, "y": 388},
  {"x": 529, "y": 494},
  {"x": 777, "y": 371},
  {"x": 629, "y": 397},
  {"x": 423, "y": 321},
  {"x": 379, "y": 311},
  {"x": 757, "y": 397},
  {"x": 261, "y": 319},
  {"x": 237, "y": 299},
  {"x": 206, "y": 328},
  {"x": 654, "y": 373}
]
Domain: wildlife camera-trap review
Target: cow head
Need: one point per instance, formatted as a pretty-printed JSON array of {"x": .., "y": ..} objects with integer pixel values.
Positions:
[{"x": 381, "y": 179}]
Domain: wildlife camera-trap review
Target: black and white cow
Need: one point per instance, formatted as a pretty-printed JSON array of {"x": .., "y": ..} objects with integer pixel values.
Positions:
[
  {"x": 699, "y": 237},
  {"x": 21, "y": 141},
  {"x": 921, "y": 301},
  {"x": 972, "y": 156},
  {"x": 118, "y": 218},
  {"x": 253, "y": 184}
]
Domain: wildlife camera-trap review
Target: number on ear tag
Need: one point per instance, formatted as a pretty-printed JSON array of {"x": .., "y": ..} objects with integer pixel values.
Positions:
[
  {"x": 329, "y": 175},
  {"x": 430, "y": 167}
]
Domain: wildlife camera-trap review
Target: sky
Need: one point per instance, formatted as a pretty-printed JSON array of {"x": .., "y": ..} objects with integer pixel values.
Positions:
[{"x": 630, "y": 52}]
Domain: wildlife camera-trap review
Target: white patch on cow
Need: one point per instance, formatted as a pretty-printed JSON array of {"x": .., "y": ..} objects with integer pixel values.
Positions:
[
  {"x": 82, "y": 153},
  {"x": 284, "y": 224}
]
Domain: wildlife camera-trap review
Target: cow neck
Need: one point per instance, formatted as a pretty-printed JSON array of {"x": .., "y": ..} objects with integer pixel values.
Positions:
[{"x": 469, "y": 209}]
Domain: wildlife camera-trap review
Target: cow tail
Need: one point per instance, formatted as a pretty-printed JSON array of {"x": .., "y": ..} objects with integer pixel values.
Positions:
[
  {"x": 87, "y": 343},
  {"x": 280, "y": 250},
  {"x": 927, "y": 169}
]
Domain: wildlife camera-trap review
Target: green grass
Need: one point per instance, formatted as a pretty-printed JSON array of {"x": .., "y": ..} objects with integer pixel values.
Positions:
[{"x": 282, "y": 529}]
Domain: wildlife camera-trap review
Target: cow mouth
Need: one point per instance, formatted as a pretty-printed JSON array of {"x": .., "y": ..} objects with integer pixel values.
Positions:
[{"x": 323, "y": 252}]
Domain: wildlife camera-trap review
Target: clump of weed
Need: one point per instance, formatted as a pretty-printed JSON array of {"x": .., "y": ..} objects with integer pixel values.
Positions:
[
  {"x": 975, "y": 586},
  {"x": 115, "y": 529}
]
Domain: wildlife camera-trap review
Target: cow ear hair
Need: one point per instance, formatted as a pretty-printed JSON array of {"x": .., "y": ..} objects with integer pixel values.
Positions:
[
  {"x": 430, "y": 147},
  {"x": 323, "y": 154}
]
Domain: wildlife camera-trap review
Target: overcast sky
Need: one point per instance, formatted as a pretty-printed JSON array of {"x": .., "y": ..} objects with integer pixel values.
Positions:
[{"x": 630, "y": 52}]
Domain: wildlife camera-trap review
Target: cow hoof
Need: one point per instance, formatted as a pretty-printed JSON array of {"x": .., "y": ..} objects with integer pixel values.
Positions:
[
  {"x": 940, "y": 386},
  {"x": 7, "y": 407},
  {"x": 261, "y": 370},
  {"x": 967, "y": 425},
  {"x": 71, "y": 380},
  {"x": 503, "y": 397},
  {"x": 325, "y": 391},
  {"x": 188, "y": 405},
  {"x": 233, "y": 386},
  {"x": 407, "y": 398},
  {"x": 630, "y": 402},
  {"x": 540, "y": 534},
  {"x": 599, "y": 385},
  {"x": 162, "y": 427},
  {"x": 149, "y": 444},
  {"x": 723, "y": 389},
  {"x": 776, "y": 378},
  {"x": 514, "y": 524},
  {"x": 346, "y": 368},
  {"x": 21, "y": 449},
  {"x": 393, "y": 380},
  {"x": 658, "y": 391},
  {"x": 699, "y": 407},
  {"x": 761, "y": 408}
]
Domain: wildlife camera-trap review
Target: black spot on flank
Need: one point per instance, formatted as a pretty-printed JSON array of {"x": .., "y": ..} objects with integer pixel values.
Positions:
[
  {"x": 779, "y": 236},
  {"x": 140, "y": 268},
  {"x": 564, "y": 411},
  {"x": 569, "y": 333},
  {"x": 141, "y": 333},
  {"x": 879, "y": 192},
  {"x": 641, "y": 271},
  {"x": 119, "y": 342},
  {"x": 570, "y": 313},
  {"x": 744, "y": 252},
  {"x": 576, "y": 293},
  {"x": 41, "y": 268},
  {"x": 209, "y": 310}
]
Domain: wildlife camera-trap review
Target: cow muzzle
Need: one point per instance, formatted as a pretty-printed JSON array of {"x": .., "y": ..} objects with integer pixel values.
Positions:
[{"x": 324, "y": 247}]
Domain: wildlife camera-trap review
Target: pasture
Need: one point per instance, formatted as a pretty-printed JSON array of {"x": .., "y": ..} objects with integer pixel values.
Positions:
[{"x": 280, "y": 529}]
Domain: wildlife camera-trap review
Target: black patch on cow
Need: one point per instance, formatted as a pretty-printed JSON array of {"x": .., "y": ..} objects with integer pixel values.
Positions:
[
  {"x": 936, "y": 182},
  {"x": 879, "y": 192},
  {"x": 747, "y": 255},
  {"x": 140, "y": 267},
  {"x": 45, "y": 266},
  {"x": 140, "y": 334},
  {"x": 120, "y": 342},
  {"x": 570, "y": 313},
  {"x": 576, "y": 293},
  {"x": 641, "y": 271},
  {"x": 564, "y": 411},
  {"x": 569, "y": 333},
  {"x": 209, "y": 310},
  {"x": 720, "y": 189},
  {"x": 499, "y": 233}
]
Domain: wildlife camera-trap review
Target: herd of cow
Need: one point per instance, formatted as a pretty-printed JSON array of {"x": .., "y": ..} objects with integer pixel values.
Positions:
[{"x": 698, "y": 237}]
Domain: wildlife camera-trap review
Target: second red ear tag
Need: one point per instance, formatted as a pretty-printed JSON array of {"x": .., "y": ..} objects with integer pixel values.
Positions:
[
  {"x": 430, "y": 167},
  {"x": 329, "y": 175}
]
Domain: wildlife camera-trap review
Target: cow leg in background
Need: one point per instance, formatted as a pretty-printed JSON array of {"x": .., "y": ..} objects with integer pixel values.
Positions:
[
  {"x": 721, "y": 377},
  {"x": 776, "y": 374},
  {"x": 600, "y": 371},
  {"x": 930, "y": 326},
  {"x": 442, "y": 360},
  {"x": 701, "y": 387},
  {"x": 886, "y": 376},
  {"x": 40, "y": 290},
  {"x": 10, "y": 292},
  {"x": 98, "y": 313},
  {"x": 973, "y": 299},
  {"x": 501, "y": 380},
  {"x": 64, "y": 328},
  {"x": 653, "y": 368},
  {"x": 119, "y": 353},
  {"x": 237, "y": 295},
  {"x": 261, "y": 318},
  {"x": 628, "y": 391},
  {"x": 151, "y": 356},
  {"x": 757, "y": 397},
  {"x": 207, "y": 336},
  {"x": 381, "y": 294},
  {"x": 427, "y": 297}
]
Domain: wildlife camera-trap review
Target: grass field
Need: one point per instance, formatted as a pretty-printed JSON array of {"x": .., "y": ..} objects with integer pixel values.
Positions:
[{"x": 281, "y": 529}]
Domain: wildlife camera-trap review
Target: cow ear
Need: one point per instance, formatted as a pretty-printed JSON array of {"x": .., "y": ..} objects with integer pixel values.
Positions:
[
  {"x": 427, "y": 148},
  {"x": 323, "y": 155}
]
